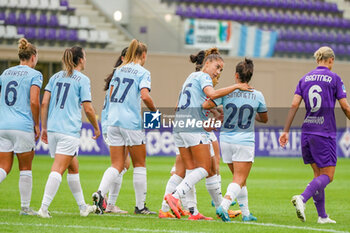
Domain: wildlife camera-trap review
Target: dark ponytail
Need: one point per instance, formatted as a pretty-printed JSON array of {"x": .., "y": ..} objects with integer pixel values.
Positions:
[
  {"x": 118, "y": 63},
  {"x": 198, "y": 59},
  {"x": 245, "y": 70}
]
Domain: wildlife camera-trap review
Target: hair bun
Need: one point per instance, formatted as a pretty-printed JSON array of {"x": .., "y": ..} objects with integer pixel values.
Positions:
[
  {"x": 212, "y": 51},
  {"x": 22, "y": 44},
  {"x": 193, "y": 58},
  {"x": 248, "y": 61}
]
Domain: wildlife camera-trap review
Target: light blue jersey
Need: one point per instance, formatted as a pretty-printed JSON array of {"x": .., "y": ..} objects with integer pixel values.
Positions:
[
  {"x": 67, "y": 96},
  {"x": 240, "y": 108},
  {"x": 125, "y": 101},
  {"x": 15, "y": 111},
  {"x": 190, "y": 102},
  {"x": 104, "y": 113}
]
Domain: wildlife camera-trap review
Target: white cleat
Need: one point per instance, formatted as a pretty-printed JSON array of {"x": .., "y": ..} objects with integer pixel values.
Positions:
[
  {"x": 325, "y": 220},
  {"x": 44, "y": 214},
  {"x": 89, "y": 209},
  {"x": 297, "y": 201},
  {"x": 115, "y": 209},
  {"x": 27, "y": 211}
]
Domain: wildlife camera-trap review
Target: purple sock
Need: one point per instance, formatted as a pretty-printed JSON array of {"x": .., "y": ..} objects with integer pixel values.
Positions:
[
  {"x": 317, "y": 183},
  {"x": 319, "y": 199}
]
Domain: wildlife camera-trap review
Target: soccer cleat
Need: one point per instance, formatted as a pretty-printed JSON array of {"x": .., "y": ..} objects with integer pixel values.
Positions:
[
  {"x": 144, "y": 211},
  {"x": 104, "y": 203},
  {"x": 98, "y": 202},
  {"x": 221, "y": 213},
  {"x": 28, "y": 211},
  {"x": 232, "y": 204},
  {"x": 249, "y": 218},
  {"x": 185, "y": 213},
  {"x": 115, "y": 209},
  {"x": 44, "y": 214},
  {"x": 174, "y": 205},
  {"x": 89, "y": 209},
  {"x": 325, "y": 220},
  {"x": 199, "y": 216},
  {"x": 163, "y": 214},
  {"x": 297, "y": 201},
  {"x": 234, "y": 213}
]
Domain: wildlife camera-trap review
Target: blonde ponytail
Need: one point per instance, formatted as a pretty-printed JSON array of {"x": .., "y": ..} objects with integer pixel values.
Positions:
[
  {"x": 135, "y": 51},
  {"x": 25, "y": 49},
  {"x": 71, "y": 59},
  {"x": 323, "y": 53}
]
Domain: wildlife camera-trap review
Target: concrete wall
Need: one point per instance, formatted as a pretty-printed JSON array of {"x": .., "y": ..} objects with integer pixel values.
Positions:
[{"x": 276, "y": 78}]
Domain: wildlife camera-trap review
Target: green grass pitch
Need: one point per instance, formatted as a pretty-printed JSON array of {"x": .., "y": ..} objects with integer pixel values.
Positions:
[{"x": 271, "y": 184}]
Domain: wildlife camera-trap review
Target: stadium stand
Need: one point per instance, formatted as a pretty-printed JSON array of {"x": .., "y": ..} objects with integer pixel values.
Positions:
[
  {"x": 303, "y": 26},
  {"x": 55, "y": 22}
]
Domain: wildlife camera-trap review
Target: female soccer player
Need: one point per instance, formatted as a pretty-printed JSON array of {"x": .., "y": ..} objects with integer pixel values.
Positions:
[
  {"x": 64, "y": 95},
  {"x": 194, "y": 145},
  {"x": 114, "y": 189},
  {"x": 319, "y": 89},
  {"x": 130, "y": 83},
  {"x": 237, "y": 138},
  {"x": 19, "y": 114}
]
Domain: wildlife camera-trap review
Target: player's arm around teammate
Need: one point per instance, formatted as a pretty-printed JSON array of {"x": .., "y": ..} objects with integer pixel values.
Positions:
[
  {"x": 66, "y": 91},
  {"x": 237, "y": 138},
  {"x": 19, "y": 114},
  {"x": 320, "y": 88}
]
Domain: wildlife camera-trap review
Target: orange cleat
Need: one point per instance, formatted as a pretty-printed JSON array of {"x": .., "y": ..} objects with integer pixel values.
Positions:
[
  {"x": 199, "y": 216},
  {"x": 174, "y": 205},
  {"x": 185, "y": 213},
  {"x": 163, "y": 214},
  {"x": 234, "y": 213}
]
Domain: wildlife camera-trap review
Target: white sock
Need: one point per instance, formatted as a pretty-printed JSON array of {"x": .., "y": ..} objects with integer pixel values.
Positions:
[
  {"x": 75, "y": 186},
  {"x": 190, "y": 180},
  {"x": 242, "y": 200},
  {"x": 110, "y": 175},
  {"x": 52, "y": 185},
  {"x": 25, "y": 187},
  {"x": 3, "y": 174},
  {"x": 233, "y": 190},
  {"x": 114, "y": 190},
  {"x": 219, "y": 179},
  {"x": 173, "y": 182},
  {"x": 213, "y": 186},
  {"x": 140, "y": 186},
  {"x": 191, "y": 197}
]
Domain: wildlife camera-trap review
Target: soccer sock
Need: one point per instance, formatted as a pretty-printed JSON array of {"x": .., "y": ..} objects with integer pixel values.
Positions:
[
  {"x": 140, "y": 186},
  {"x": 317, "y": 183},
  {"x": 75, "y": 187},
  {"x": 213, "y": 186},
  {"x": 114, "y": 189},
  {"x": 3, "y": 174},
  {"x": 191, "y": 197},
  {"x": 242, "y": 199},
  {"x": 173, "y": 182},
  {"x": 52, "y": 185},
  {"x": 233, "y": 190},
  {"x": 110, "y": 175},
  {"x": 319, "y": 201},
  {"x": 25, "y": 187},
  {"x": 189, "y": 181}
]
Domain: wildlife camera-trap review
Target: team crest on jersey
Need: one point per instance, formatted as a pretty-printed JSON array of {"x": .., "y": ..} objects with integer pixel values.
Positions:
[{"x": 151, "y": 120}]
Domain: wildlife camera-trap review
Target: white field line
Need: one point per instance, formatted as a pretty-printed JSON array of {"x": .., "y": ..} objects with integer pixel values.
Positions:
[{"x": 138, "y": 216}]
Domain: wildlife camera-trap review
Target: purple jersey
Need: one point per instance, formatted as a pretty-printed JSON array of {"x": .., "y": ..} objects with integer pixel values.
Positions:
[{"x": 320, "y": 88}]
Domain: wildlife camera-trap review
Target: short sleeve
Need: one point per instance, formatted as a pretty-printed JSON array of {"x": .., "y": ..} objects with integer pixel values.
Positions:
[
  {"x": 262, "y": 104},
  {"x": 38, "y": 80},
  {"x": 49, "y": 85},
  {"x": 218, "y": 101},
  {"x": 85, "y": 90},
  {"x": 145, "y": 81},
  {"x": 205, "y": 81},
  {"x": 298, "y": 89},
  {"x": 340, "y": 89}
]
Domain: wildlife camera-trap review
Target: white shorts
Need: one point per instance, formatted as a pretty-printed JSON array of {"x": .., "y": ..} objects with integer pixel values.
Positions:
[
  {"x": 62, "y": 144},
  {"x": 17, "y": 141},
  {"x": 236, "y": 153},
  {"x": 190, "y": 139},
  {"x": 118, "y": 136},
  {"x": 105, "y": 138},
  {"x": 212, "y": 136}
]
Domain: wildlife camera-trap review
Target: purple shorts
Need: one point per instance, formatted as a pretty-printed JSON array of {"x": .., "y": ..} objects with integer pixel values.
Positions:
[{"x": 319, "y": 150}]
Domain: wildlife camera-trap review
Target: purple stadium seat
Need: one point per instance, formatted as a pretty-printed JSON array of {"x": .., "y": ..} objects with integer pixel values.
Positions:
[
  {"x": 179, "y": 10},
  {"x": 66, "y": 4},
  {"x": 32, "y": 20},
  {"x": 30, "y": 33},
  {"x": 11, "y": 18},
  {"x": 62, "y": 34},
  {"x": 22, "y": 18},
  {"x": 21, "y": 30},
  {"x": 51, "y": 34},
  {"x": 340, "y": 49},
  {"x": 299, "y": 47},
  {"x": 73, "y": 35},
  {"x": 2, "y": 15},
  {"x": 41, "y": 34},
  {"x": 43, "y": 20},
  {"x": 53, "y": 21}
]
